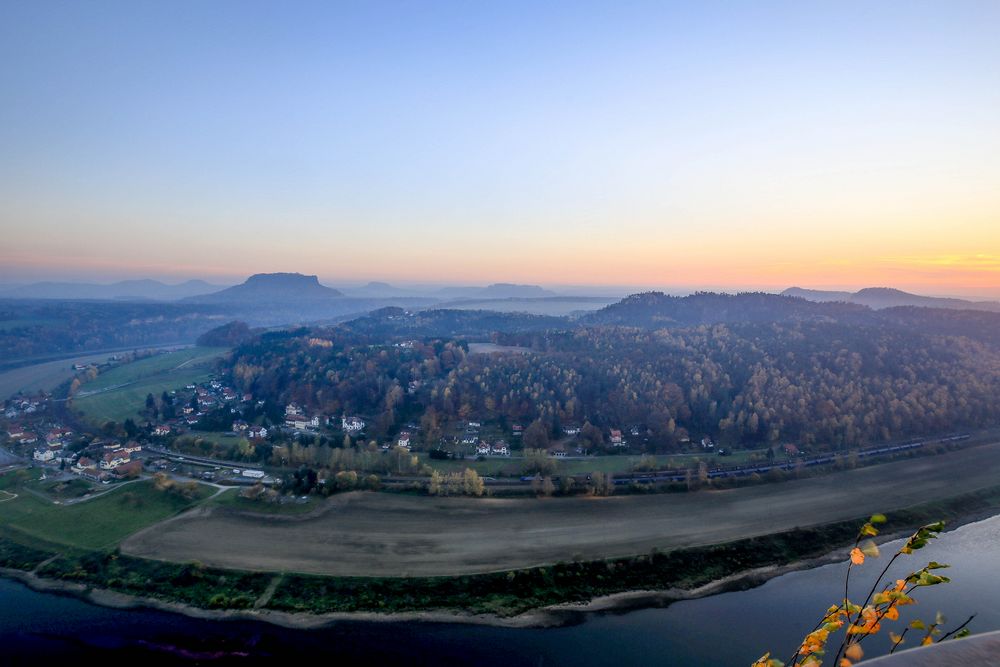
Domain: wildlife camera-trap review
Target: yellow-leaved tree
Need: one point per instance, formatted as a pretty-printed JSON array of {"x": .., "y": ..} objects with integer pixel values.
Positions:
[{"x": 880, "y": 605}]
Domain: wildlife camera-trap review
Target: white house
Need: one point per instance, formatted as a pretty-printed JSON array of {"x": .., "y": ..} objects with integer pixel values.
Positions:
[
  {"x": 257, "y": 432},
  {"x": 404, "y": 440},
  {"x": 44, "y": 455},
  {"x": 351, "y": 424},
  {"x": 161, "y": 429},
  {"x": 296, "y": 421}
]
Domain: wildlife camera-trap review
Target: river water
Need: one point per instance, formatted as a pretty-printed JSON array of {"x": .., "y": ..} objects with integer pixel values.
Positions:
[{"x": 727, "y": 629}]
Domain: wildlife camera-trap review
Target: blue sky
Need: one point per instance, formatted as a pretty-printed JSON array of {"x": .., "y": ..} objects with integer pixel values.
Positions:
[{"x": 729, "y": 144}]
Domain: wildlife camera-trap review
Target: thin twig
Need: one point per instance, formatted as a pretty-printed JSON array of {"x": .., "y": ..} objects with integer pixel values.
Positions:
[
  {"x": 896, "y": 644},
  {"x": 957, "y": 629}
]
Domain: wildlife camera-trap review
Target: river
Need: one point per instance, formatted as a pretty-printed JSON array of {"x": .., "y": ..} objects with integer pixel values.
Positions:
[{"x": 727, "y": 629}]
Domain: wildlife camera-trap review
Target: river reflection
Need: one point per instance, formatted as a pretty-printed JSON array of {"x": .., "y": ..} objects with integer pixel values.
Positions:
[{"x": 728, "y": 629}]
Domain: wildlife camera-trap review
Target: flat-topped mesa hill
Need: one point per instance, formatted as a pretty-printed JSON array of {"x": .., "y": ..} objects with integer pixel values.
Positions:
[{"x": 272, "y": 287}]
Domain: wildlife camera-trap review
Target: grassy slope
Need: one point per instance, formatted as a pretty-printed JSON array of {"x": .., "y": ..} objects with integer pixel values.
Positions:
[
  {"x": 162, "y": 372},
  {"x": 93, "y": 524}
]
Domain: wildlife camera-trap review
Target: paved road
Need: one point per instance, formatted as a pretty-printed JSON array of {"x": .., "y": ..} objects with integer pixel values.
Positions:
[{"x": 381, "y": 534}]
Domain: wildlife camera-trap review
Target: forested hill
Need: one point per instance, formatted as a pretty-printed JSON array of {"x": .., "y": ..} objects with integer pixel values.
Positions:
[
  {"x": 396, "y": 322},
  {"x": 654, "y": 310},
  {"x": 820, "y": 384},
  {"x": 888, "y": 297},
  {"x": 33, "y": 328}
]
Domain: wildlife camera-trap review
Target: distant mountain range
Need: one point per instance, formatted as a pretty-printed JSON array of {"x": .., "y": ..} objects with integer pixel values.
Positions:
[
  {"x": 134, "y": 290},
  {"x": 887, "y": 297},
  {"x": 658, "y": 310},
  {"x": 381, "y": 290}
]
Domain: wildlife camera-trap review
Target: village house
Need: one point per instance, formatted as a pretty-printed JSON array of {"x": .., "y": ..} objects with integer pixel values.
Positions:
[
  {"x": 239, "y": 425},
  {"x": 56, "y": 434},
  {"x": 16, "y": 433},
  {"x": 132, "y": 447},
  {"x": 483, "y": 449},
  {"x": 85, "y": 466},
  {"x": 112, "y": 460},
  {"x": 295, "y": 420},
  {"x": 257, "y": 432},
  {"x": 616, "y": 438},
  {"x": 292, "y": 409},
  {"x": 161, "y": 429},
  {"x": 500, "y": 449},
  {"x": 44, "y": 455},
  {"x": 404, "y": 440},
  {"x": 517, "y": 429},
  {"x": 351, "y": 424}
]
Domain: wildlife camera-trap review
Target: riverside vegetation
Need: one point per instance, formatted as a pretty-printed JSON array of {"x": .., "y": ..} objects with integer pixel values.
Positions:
[{"x": 503, "y": 594}]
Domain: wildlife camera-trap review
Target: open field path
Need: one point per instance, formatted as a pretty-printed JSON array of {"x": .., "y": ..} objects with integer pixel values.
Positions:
[
  {"x": 380, "y": 534},
  {"x": 268, "y": 593}
]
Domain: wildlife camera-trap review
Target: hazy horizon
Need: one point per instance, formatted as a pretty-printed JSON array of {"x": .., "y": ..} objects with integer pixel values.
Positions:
[
  {"x": 755, "y": 147},
  {"x": 567, "y": 289}
]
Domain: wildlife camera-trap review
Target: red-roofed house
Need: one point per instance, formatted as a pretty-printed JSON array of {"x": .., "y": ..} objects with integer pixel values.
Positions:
[{"x": 112, "y": 460}]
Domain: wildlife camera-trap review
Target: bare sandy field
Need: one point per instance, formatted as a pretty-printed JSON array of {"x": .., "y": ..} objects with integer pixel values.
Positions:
[{"x": 379, "y": 534}]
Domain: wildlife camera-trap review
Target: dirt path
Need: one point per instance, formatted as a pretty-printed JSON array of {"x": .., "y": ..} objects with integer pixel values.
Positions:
[
  {"x": 380, "y": 534},
  {"x": 268, "y": 593}
]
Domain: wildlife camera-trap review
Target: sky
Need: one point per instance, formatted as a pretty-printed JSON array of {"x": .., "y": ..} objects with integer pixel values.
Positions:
[{"x": 723, "y": 145}]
